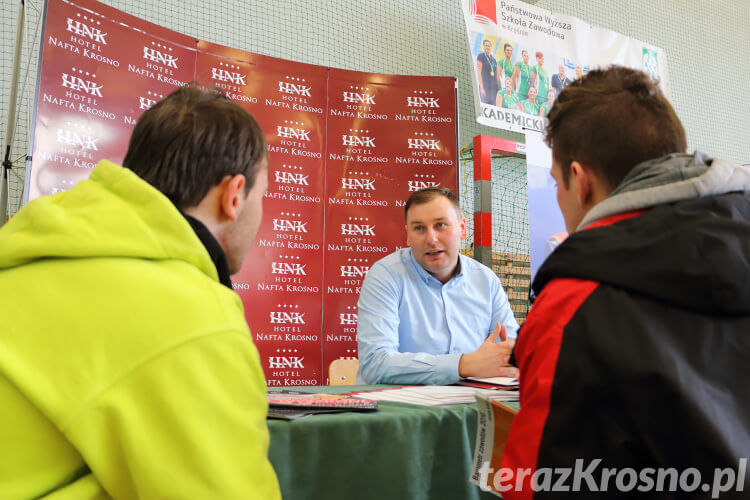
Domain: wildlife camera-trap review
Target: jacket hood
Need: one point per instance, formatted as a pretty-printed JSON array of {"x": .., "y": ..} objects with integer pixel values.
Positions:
[
  {"x": 114, "y": 213},
  {"x": 669, "y": 179},
  {"x": 690, "y": 248}
]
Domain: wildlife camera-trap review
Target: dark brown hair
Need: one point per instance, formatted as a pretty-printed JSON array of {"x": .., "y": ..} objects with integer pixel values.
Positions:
[
  {"x": 192, "y": 139},
  {"x": 428, "y": 194},
  {"x": 611, "y": 120}
]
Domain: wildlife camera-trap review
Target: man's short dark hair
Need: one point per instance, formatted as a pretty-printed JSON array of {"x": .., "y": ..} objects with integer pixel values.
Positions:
[
  {"x": 428, "y": 194},
  {"x": 486, "y": 41},
  {"x": 189, "y": 141},
  {"x": 611, "y": 120},
  {"x": 506, "y": 46}
]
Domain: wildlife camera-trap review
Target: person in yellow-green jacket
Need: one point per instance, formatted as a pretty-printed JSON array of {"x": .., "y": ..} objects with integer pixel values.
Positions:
[{"x": 127, "y": 369}]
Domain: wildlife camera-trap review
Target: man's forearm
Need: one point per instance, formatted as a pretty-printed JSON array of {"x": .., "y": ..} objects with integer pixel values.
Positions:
[{"x": 410, "y": 368}]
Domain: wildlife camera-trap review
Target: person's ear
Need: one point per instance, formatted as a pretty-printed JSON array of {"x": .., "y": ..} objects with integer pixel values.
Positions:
[
  {"x": 462, "y": 225},
  {"x": 582, "y": 178},
  {"x": 232, "y": 196}
]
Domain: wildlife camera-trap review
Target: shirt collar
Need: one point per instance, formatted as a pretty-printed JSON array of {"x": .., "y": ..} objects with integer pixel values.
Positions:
[
  {"x": 213, "y": 248},
  {"x": 430, "y": 279}
]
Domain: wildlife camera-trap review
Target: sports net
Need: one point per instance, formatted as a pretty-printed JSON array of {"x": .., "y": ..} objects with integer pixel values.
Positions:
[
  {"x": 510, "y": 224},
  {"x": 26, "y": 88}
]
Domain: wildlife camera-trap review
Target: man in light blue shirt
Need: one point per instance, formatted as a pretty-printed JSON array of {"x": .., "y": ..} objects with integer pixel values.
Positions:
[{"x": 428, "y": 315}]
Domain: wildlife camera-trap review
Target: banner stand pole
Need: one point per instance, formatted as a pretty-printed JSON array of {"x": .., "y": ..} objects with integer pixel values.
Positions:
[{"x": 7, "y": 164}]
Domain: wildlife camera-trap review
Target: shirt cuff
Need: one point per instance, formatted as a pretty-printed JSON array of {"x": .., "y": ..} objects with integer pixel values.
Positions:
[{"x": 447, "y": 368}]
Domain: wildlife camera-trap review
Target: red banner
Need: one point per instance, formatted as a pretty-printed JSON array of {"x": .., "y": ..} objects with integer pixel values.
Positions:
[{"x": 345, "y": 151}]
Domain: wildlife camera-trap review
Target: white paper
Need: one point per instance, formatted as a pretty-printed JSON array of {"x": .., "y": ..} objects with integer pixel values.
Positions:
[
  {"x": 436, "y": 395},
  {"x": 495, "y": 380}
]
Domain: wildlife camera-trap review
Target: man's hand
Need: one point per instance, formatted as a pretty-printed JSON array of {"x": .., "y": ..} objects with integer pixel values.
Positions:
[{"x": 491, "y": 359}]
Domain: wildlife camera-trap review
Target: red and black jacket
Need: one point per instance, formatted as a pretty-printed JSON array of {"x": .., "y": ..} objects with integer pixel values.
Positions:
[{"x": 637, "y": 348}]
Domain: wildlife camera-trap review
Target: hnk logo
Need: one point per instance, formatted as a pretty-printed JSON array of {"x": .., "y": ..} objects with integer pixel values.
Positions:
[
  {"x": 288, "y": 268},
  {"x": 353, "y": 271},
  {"x": 347, "y": 319},
  {"x": 293, "y": 133},
  {"x": 285, "y": 177},
  {"x": 353, "y": 140},
  {"x": 85, "y": 142},
  {"x": 285, "y": 362},
  {"x": 146, "y": 103},
  {"x": 424, "y": 144},
  {"x": 360, "y": 184},
  {"x": 81, "y": 85},
  {"x": 228, "y": 76},
  {"x": 287, "y": 318},
  {"x": 417, "y": 185},
  {"x": 422, "y": 102},
  {"x": 357, "y": 230},
  {"x": 289, "y": 225},
  {"x": 291, "y": 88},
  {"x": 81, "y": 29},
  {"x": 159, "y": 57},
  {"x": 361, "y": 98}
]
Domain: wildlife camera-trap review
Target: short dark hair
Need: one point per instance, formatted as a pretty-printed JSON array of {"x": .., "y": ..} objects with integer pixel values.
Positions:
[
  {"x": 506, "y": 46},
  {"x": 428, "y": 194},
  {"x": 189, "y": 141},
  {"x": 610, "y": 120},
  {"x": 486, "y": 41}
]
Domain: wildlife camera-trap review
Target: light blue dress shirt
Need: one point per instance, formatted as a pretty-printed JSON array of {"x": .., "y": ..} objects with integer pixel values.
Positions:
[{"x": 412, "y": 329}]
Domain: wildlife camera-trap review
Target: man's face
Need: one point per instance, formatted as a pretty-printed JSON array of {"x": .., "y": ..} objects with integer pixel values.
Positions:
[
  {"x": 509, "y": 52},
  {"x": 525, "y": 56},
  {"x": 567, "y": 199},
  {"x": 561, "y": 70},
  {"x": 487, "y": 47},
  {"x": 240, "y": 237},
  {"x": 434, "y": 232},
  {"x": 540, "y": 60},
  {"x": 532, "y": 93},
  {"x": 579, "y": 72}
]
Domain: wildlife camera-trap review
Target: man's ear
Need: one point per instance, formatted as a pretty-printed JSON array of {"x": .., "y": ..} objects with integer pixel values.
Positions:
[
  {"x": 462, "y": 224},
  {"x": 232, "y": 196},
  {"x": 583, "y": 182}
]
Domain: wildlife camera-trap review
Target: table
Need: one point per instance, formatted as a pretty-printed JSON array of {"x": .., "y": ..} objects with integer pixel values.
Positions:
[{"x": 399, "y": 452}]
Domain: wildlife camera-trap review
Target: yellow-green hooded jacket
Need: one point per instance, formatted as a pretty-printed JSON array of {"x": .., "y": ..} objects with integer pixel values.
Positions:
[{"x": 126, "y": 368}]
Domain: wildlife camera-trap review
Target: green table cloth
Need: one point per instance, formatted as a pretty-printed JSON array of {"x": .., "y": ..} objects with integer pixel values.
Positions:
[{"x": 399, "y": 452}]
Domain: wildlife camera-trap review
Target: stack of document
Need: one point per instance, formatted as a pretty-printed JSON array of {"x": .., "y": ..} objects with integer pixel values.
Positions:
[
  {"x": 436, "y": 395},
  {"x": 507, "y": 383}
]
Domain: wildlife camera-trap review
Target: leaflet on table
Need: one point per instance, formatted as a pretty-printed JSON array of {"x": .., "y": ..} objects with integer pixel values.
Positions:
[
  {"x": 493, "y": 425},
  {"x": 495, "y": 383},
  {"x": 293, "y": 413},
  {"x": 435, "y": 395},
  {"x": 503, "y": 381},
  {"x": 330, "y": 401}
]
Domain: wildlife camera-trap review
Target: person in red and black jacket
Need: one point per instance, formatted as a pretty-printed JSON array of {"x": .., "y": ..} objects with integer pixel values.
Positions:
[{"x": 637, "y": 347}]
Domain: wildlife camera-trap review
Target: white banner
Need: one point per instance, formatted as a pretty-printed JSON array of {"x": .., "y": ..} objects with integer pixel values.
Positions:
[{"x": 522, "y": 56}]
